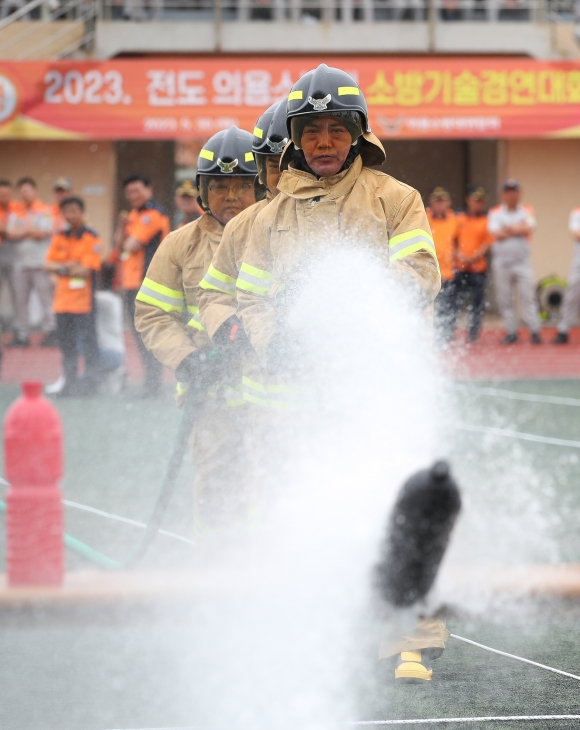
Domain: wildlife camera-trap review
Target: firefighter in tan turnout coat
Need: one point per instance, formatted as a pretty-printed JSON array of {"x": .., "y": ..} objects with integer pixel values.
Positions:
[
  {"x": 167, "y": 318},
  {"x": 328, "y": 191}
]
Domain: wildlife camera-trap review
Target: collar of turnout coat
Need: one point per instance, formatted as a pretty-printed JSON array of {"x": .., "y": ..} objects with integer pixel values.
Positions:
[
  {"x": 211, "y": 226},
  {"x": 372, "y": 152},
  {"x": 300, "y": 184}
]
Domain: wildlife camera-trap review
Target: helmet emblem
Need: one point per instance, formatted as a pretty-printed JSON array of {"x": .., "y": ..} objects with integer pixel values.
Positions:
[
  {"x": 227, "y": 167},
  {"x": 276, "y": 148},
  {"x": 320, "y": 104}
]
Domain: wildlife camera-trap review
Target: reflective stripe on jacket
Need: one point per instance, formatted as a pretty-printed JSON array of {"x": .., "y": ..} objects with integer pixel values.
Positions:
[{"x": 166, "y": 312}]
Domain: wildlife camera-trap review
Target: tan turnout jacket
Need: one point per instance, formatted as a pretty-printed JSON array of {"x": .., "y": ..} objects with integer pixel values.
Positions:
[
  {"x": 167, "y": 314},
  {"x": 360, "y": 204},
  {"x": 217, "y": 295}
]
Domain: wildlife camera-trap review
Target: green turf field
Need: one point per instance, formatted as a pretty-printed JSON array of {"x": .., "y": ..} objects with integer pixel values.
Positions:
[{"x": 128, "y": 674}]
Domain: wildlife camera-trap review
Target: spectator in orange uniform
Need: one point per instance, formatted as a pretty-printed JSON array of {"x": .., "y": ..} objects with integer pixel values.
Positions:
[
  {"x": 138, "y": 236},
  {"x": 75, "y": 257},
  {"x": 62, "y": 188},
  {"x": 7, "y": 206},
  {"x": 30, "y": 226},
  {"x": 444, "y": 230},
  {"x": 473, "y": 242}
]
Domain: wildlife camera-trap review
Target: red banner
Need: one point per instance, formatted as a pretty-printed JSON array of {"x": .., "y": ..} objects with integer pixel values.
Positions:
[{"x": 195, "y": 97}]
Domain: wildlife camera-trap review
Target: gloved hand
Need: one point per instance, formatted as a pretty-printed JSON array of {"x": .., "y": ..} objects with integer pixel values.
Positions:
[
  {"x": 231, "y": 334},
  {"x": 281, "y": 354},
  {"x": 202, "y": 367}
]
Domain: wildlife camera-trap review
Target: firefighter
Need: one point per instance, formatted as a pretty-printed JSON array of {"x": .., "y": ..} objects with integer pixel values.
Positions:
[
  {"x": 218, "y": 306},
  {"x": 571, "y": 303},
  {"x": 473, "y": 242},
  {"x": 167, "y": 317},
  {"x": 512, "y": 224},
  {"x": 443, "y": 225},
  {"x": 328, "y": 190}
]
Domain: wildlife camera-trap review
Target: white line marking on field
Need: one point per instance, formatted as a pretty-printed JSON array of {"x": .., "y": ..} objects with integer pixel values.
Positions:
[
  {"x": 118, "y": 518},
  {"x": 518, "y": 658},
  {"x": 425, "y": 721},
  {"x": 126, "y": 520},
  {"x": 514, "y": 395},
  {"x": 518, "y": 435},
  {"x": 441, "y": 720}
]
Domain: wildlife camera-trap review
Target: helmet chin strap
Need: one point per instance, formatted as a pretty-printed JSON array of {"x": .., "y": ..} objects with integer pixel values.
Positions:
[{"x": 301, "y": 164}]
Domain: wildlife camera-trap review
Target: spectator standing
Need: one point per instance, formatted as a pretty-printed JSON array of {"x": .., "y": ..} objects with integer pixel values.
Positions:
[
  {"x": 61, "y": 188},
  {"x": 29, "y": 226},
  {"x": 571, "y": 303},
  {"x": 75, "y": 257},
  {"x": 473, "y": 242},
  {"x": 110, "y": 332},
  {"x": 138, "y": 236},
  {"x": 511, "y": 224},
  {"x": 186, "y": 202},
  {"x": 7, "y": 252},
  {"x": 444, "y": 230}
]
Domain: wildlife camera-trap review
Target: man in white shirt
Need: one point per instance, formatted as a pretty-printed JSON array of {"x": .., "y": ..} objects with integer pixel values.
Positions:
[
  {"x": 571, "y": 303},
  {"x": 511, "y": 224}
]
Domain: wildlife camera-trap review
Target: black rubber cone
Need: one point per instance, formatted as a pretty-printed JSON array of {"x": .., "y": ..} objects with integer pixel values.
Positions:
[{"x": 418, "y": 533}]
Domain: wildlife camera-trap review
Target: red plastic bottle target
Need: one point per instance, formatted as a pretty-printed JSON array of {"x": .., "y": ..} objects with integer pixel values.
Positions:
[{"x": 33, "y": 458}]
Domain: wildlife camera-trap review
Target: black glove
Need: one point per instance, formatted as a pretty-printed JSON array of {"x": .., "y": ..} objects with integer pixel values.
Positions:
[
  {"x": 231, "y": 333},
  {"x": 280, "y": 355},
  {"x": 203, "y": 367}
]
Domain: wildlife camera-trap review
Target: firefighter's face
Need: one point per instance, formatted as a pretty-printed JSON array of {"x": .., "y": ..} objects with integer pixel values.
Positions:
[
  {"x": 325, "y": 142},
  {"x": 273, "y": 173},
  {"x": 229, "y": 195}
]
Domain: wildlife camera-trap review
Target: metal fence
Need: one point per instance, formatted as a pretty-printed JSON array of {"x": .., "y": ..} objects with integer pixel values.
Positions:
[{"x": 343, "y": 10}]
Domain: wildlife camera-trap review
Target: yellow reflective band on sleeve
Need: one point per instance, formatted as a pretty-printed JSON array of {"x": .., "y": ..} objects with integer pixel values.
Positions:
[
  {"x": 169, "y": 300},
  {"x": 254, "y": 392},
  {"x": 234, "y": 397},
  {"x": 194, "y": 321},
  {"x": 254, "y": 280},
  {"x": 207, "y": 155},
  {"x": 249, "y": 157},
  {"x": 348, "y": 91},
  {"x": 408, "y": 243},
  {"x": 214, "y": 279},
  {"x": 295, "y": 95},
  {"x": 259, "y": 133}
]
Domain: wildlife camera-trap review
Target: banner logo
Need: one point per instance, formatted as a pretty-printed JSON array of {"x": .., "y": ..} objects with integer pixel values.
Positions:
[{"x": 8, "y": 99}]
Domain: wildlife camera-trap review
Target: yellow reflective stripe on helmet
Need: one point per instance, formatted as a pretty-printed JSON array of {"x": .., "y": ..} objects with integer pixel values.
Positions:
[
  {"x": 259, "y": 133},
  {"x": 295, "y": 95},
  {"x": 214, "y": 279},
  {"x": 348, "y": 91},
  {"x": 407, "y": 243},
  {"x": 169, "y": 300},
  {"x": 249, "y": 157},
  {"x": 254, "y": 280},
  {"x": 207, "y": 155}
]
